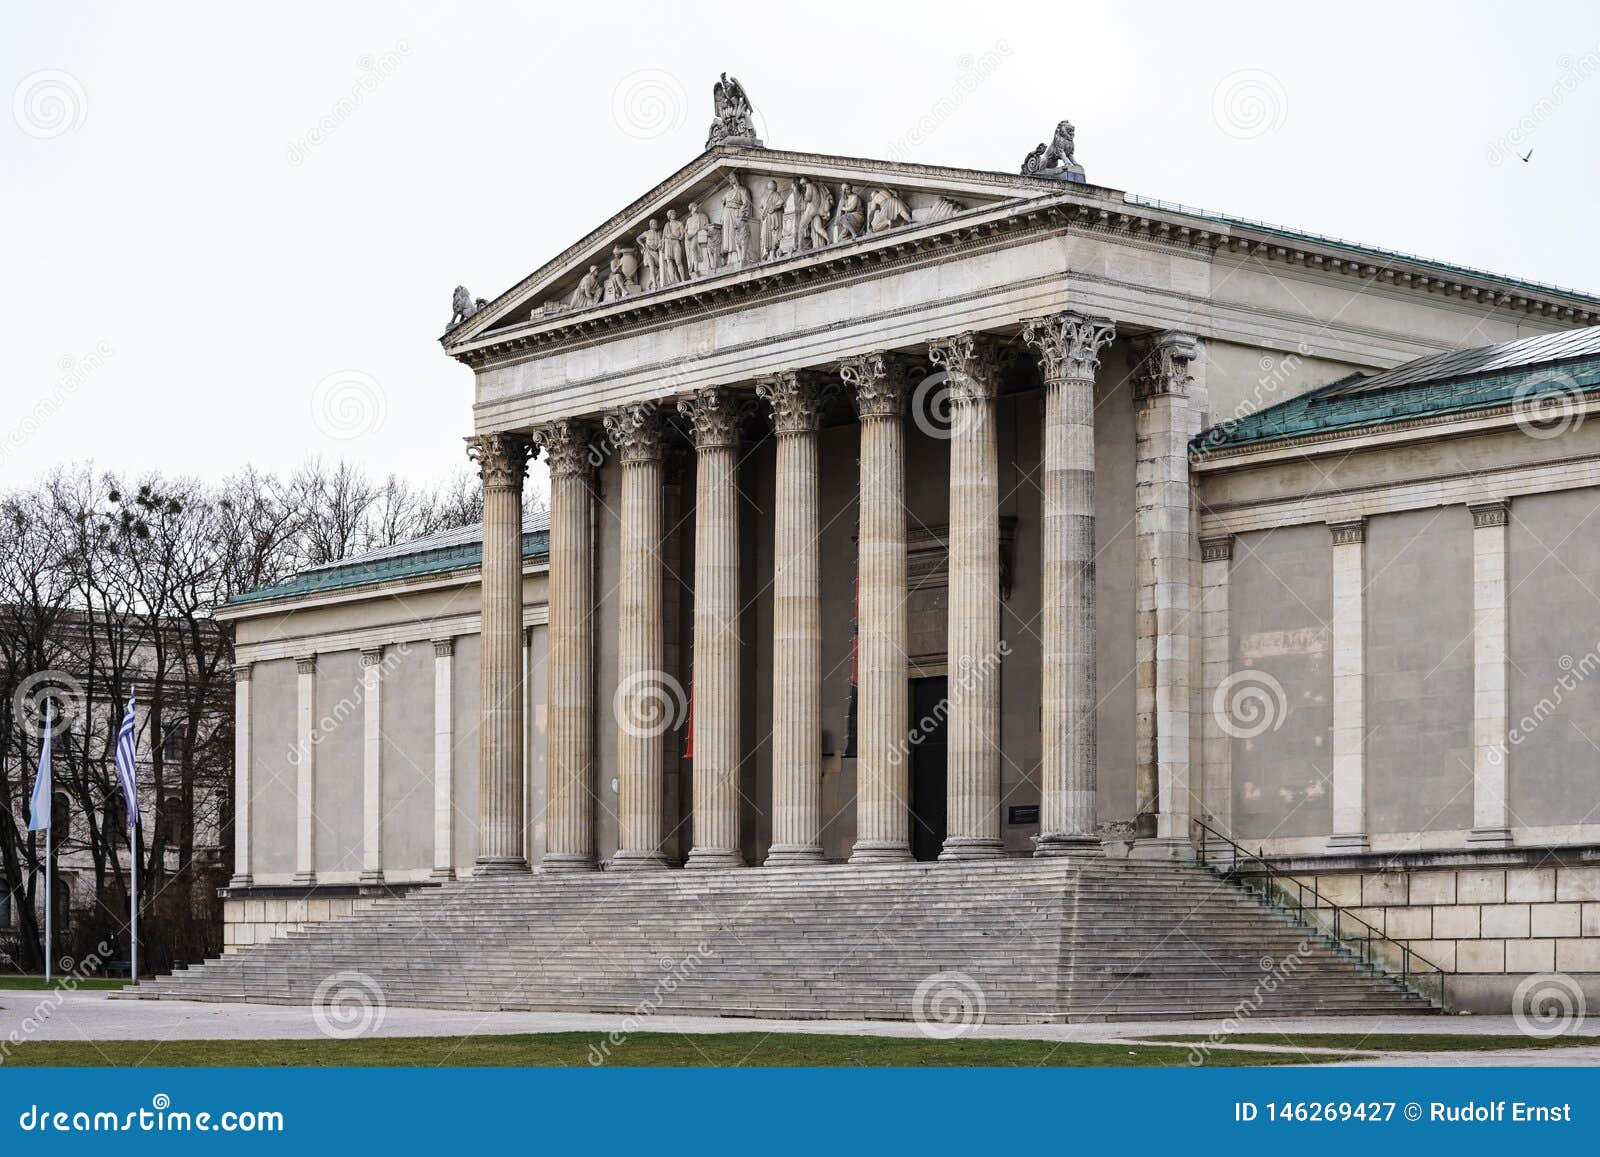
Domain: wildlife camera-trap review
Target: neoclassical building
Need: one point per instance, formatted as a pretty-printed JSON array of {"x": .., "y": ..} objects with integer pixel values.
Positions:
[{"x": 907, "y": 513}]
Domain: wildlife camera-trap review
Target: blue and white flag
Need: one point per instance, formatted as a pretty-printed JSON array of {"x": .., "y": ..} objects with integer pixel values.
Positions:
[
  {"x": 39, "y": 816},
  {"x": 126, "y": 768}
]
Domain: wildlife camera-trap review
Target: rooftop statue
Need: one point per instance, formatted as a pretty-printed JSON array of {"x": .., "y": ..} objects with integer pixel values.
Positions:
[
  {"x": 733, "y": 124},
  {"x": 1056, "y": 159}
]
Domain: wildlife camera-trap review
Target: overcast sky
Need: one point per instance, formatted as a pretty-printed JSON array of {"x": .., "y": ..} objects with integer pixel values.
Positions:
[{"x": 210, "y": 258}]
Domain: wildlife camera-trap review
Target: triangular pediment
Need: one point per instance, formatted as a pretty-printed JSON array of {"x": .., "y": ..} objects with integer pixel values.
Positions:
[{"x": 734, "y": 213}]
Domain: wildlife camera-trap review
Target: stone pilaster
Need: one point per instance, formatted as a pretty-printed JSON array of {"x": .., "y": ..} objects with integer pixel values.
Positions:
[
  {"x": 372, "y": 765},
  {"x": 444, "y": 809},
  {"x": 502, "y": 465},
  {"x": 883, "y": 810},
  {"x": 796, "y": 402},
  {"x": 646, "y": 696},
  {"x": 1068, "y": 345},
  {"x": 1216, "y": 663},
  {"x": 1491, "y": 707},
  {"x": 242, "y": 807},
  {"x": 1162, "y": 524},
  {"x": 305, "y": 778},
  {"x": 1349, "y": 685},
  {"x": 973, "y": 724},
  {"x": 569, "y": 762},
  {"x": 714, "y": 415}
]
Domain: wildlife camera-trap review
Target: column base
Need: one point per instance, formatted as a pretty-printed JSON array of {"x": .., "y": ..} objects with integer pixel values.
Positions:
[
  {"x": 1167, "y": 848},
  {"x": 971, "y": 848},
  {"x": 714, "y": 858},
  {"x": 442, "y": 874},
  {"x": 880, "y": 852},
  {"x": 244, "y": 881},
  {"x": 370, "y": 878},
  {"x": 567, "y": 862},
  {"x": 1490, "y": 837},
  {"x": 1144, "y": 826},
  {"x": 1354, "y": 841},
  {"x": 637, "y": 861},
  {"x": 1057, "y": 844},
  {"x": 306, "y": 879},
  {"x": 500, "y": 866},
  {"x": 793, "y": 855}
]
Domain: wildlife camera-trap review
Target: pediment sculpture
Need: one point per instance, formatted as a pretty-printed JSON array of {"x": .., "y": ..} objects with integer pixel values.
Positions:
[{"x": 732, "y": 123}]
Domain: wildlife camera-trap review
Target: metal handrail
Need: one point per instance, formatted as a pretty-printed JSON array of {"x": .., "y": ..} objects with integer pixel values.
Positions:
[{"x": 1280, "y": 878}]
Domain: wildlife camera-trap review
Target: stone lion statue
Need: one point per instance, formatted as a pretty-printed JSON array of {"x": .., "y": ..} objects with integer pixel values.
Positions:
[
  {"x": 1056, "y": 159},
  {"x": 463, "y": 305}
]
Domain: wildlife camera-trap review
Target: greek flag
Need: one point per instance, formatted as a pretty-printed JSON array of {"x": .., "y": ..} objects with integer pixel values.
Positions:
[
  {"x": 39, "y": 816},
  {"x": 125, "y": 764}
]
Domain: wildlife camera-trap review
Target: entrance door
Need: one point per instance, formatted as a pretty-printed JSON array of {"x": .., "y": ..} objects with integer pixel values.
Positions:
[{"x": 928, "y": 770}]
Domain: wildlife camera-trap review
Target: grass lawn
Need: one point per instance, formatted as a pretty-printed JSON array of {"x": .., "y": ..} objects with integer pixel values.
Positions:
[
  {"x": 1406, "y": 1042},
  {"x": 642, "y": 1049},
  {"x": 38, "y": 983}
]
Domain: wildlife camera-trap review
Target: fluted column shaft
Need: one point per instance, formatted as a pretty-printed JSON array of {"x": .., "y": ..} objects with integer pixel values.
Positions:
[
  {"x": 644, "y": 703},
  {"x": 502, "y": 464},
  {"x": 796, "y": 625},
  {"x": 883, "y": 814},
  {"x": 973, "y": 726},
  {"x": 713, "y": 416},
  {"x": 1069, "y": 347},
  {"x": 569, "y": 677}
]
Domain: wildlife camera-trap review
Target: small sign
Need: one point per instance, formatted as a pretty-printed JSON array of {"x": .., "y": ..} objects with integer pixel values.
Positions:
[{"x": 1027, "y": 813}]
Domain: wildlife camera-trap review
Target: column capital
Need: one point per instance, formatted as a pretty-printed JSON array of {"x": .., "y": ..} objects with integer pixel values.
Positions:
[
  {"x": 371, "y": 656},
  {"x": 1350, "y": 531},
  {"x": 568, "y": 445},
  {"x": 502, "y": 457},
  {"x": 1068, "y": 343},
  {"x": 1164, "y": 368},
  {"x": 1487, "y": 514},
  {"x": 305, "y": 664},
  {"x": 972, "y": 364},
  {"x": 637, "y": 432},
  {"x": 796, "y": 400},
  {"x": 876, "y": 386},
  {"x": 715, "y": 414},
  {"x": 1217, "y": 548},
  {"x": 444, "y": 648},
  {"x": 241, "y": 672}
]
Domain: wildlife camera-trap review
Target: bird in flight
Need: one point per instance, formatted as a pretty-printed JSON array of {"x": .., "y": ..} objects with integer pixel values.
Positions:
[{"x": 1526, "y": 155}]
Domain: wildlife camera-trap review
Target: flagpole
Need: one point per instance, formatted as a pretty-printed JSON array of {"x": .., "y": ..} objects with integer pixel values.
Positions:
[
  {"x": 133, "y": 938},
  {"x": 49, "y": 908}
]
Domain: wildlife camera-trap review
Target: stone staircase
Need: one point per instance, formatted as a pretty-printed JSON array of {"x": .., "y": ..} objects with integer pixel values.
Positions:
[{"x": 1073, "y": 939}]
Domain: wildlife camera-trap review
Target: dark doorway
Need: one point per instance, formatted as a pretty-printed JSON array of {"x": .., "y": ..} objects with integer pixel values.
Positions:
[{"x": 928, "y": 770}]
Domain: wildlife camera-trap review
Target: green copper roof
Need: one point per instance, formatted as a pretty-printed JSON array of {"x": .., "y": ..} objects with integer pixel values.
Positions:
[
  {"x": 449, "y": 550},
  {"x": 1455, "y": 383}
]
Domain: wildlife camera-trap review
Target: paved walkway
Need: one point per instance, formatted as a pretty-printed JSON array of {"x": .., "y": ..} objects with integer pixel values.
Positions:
[{"x": 93, "y": 1016}]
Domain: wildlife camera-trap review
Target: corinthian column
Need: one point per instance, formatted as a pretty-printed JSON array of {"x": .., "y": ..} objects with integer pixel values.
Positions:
[
  {"x": 569, "y": 662},
  {"x": 974, "y": 608},
  {"x": 1069, "y": 346},
  {"x": 1162, "y": 606},
  {"x": 502, "y": 464},
  {"x": 883, "y": 817},
  {"x": 644, "y": 702},
  {"x": 796, "y": 403},
  {"x": 713, "y": 416}
]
